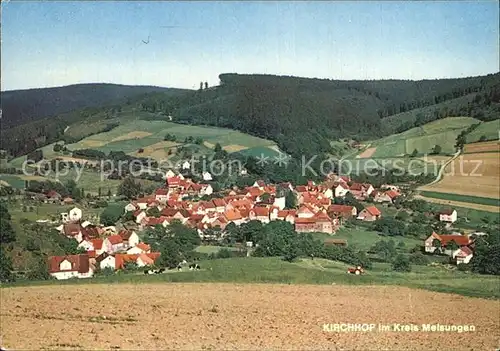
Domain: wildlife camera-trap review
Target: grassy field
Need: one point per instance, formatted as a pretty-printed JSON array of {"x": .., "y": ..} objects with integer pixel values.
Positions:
[
  {"x": 14, "y": 181},
  {"x": 136, "y": 134},
  {"x": 488, "y": 129},
  {"x": 212, "y": 249},
  {"x": 442, "y": 132},
  {"x": 362, "y": 239},
  {"x": 462, "y": 198},
  {"x": 317, "y": 271}
]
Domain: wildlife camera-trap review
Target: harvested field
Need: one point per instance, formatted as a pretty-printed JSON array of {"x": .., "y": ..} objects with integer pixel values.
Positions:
[
  {"x": 157, "y": 151},
  {"x": 367, "y": 153},
  {"x": 234, "y": 148},
  {"x": 90, "y": 143},
  {"x": 238, "y": 317},
  {"x": 132, "y": 135},
  {"x": 471, "y": 174},
  {"x": 487, "y": 146}
]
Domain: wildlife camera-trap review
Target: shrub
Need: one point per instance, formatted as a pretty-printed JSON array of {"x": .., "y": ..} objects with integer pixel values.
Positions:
[
  {"x": 419, "y": 258},
  {"x": 401, "y": 264}
]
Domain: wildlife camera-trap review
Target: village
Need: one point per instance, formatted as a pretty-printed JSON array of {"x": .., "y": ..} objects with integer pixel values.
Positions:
[{"x": 315, "y": 209}]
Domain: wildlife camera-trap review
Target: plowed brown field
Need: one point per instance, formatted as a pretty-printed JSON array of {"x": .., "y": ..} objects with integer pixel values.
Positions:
[{"x": 243, "y": 317}]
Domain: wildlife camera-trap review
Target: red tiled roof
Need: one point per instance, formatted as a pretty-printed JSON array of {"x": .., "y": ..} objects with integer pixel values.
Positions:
[
  {"x": 146, "y": 259},
  {"x": 301, "y": 188},
  {"x": 465, "y": 251},
  {"x": 120, "y": 260},
  {"x": 71, "y": 229},
  {"x": 356, "y": 187},
  {"x": 125, "y": 234},
  {"x": 261, "y": 211},
  {"x": 340, "y": 209},
  {"x": 115, "y": 239},
  {"x": 219, "y": 202},
  {"x": 373, "y": 211},
  {"x": 232, "y": 215},
  {"x": 143, "y": 246},
  {"x": 300, "y": 220},
  {"x": 97, "y": 243},
  {"x": 90, "y": 231},
  {"x": 161, "y": 191},
  {"x": 322, "y": 217},
  {"x": 460, "y": 240},
  {"x": 79, "y": 263},
  {"x": 392, "y": 194},
  {"x": 447, "y": 212}
]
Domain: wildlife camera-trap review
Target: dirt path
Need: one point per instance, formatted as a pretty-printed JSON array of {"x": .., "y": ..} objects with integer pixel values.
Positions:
[
  {"x": 238, "y": 317},
  {"x": 441, "y": 170}
]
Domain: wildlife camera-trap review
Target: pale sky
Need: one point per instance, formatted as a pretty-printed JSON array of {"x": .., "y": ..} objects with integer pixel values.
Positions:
[{"x": 48, "y": 44}]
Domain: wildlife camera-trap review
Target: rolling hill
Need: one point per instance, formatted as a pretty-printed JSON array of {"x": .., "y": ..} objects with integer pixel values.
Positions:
[
  {"x": 301, "y": 115},
  {"x": 23, "y": 106}
]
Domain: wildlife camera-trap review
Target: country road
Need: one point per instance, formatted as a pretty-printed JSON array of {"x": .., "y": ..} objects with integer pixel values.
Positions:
[{"x": 441, "y": 170}]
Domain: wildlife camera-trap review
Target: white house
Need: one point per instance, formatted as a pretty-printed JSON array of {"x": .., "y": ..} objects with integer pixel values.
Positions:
[
  {"x": 463, "y": 255},
  {"x": 328, "y": 193},
  {"x": 169, "y": 174},
  {"x": 243, "y": 171},
  {"x": 186, "y": 165},
  {"x": 279, "y": 202},
  {"x": 206, "y": 190},
  {"x": 70, "y": 266},
  {"x": 139, "y": 216},
  {"x": 107, "y": 261},
  {"x": 341, "y": 190},
  {"x": 130, "y": 207},
  {"x": 161, "y": 195},
  {"x": 75, "y": 214},
  {"x": 448, "y": 215},
  {"x": 86, "y": 245},
  {"x": 206, "y": 176},
  {"x": 113, "y": 243},
  {"x": 129, "y": 238}
]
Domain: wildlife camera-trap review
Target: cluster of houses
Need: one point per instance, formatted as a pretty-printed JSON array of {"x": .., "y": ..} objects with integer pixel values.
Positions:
[
  {"x": 315, "y": 211},
  {"x": 105, "y": 247}
]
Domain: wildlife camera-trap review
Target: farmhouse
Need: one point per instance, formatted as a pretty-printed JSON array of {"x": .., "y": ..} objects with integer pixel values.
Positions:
[
  {"x": 161, "y": 195},
  {"x": 463, "y": 255},
  {"x": 444, "y": 240},
  {"x": 320, "y": 222},
  {"x": 340, "y": 190},
  {"x": 342, "y": 211},
  {"x": 113, "y": 244},
  {"x": 70, "y": 266},
  {"x": 370, "y": 214},
  {"x": 448, "y": 215}
]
